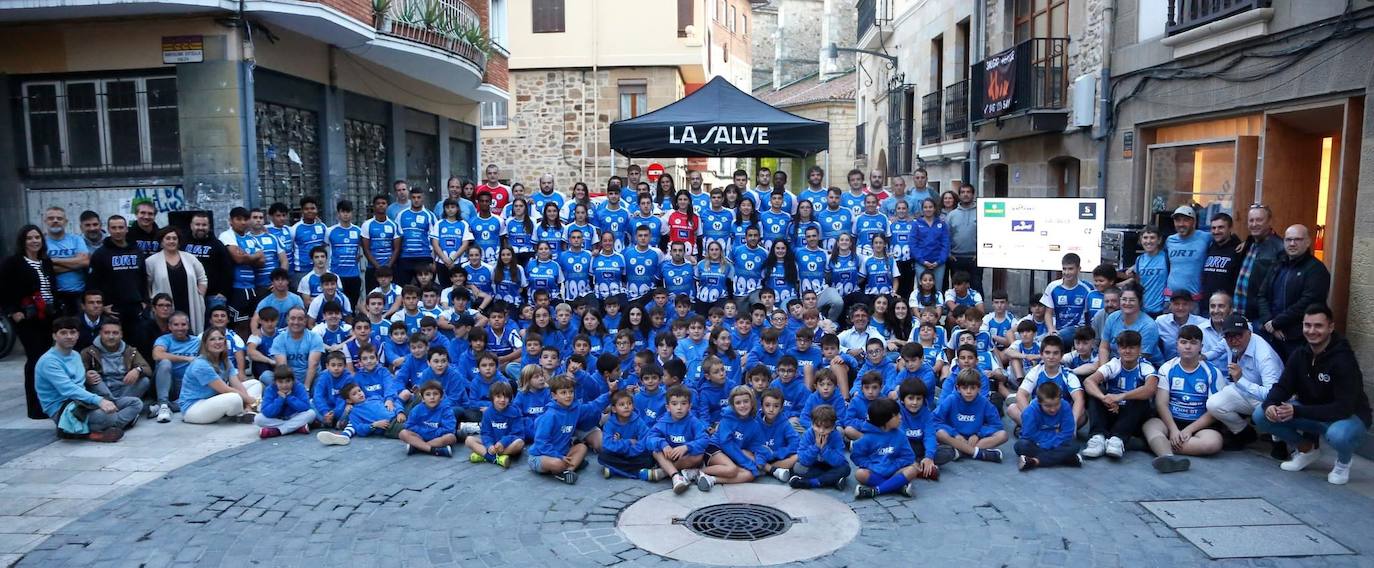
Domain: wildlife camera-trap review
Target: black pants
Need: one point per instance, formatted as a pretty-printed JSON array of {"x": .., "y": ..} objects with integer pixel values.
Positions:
[
  {"x": 824, "y": 473},
  {"x": 129, "y": 316},
  {"x": 68, "y": 303},
  {"x": 967, "y": 264},
  {"x": 906, "y": 281},
  {"x": 36, "y": 337},
  {"x": 1062, "y": 455},
  {"x": 1123, "y": 424},
  {"x": 626, "y": 464},
  {"x": 406, "y": 268},
  {"x": 352, "y": 289}
]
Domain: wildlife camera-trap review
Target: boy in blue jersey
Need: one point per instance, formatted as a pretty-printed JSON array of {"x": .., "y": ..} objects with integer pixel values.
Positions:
[
  {"x": 962, "y": 294},
  {"x": 285, "y": 407},
  {"x": 381, "y": 240},
  {"x": 778, "y": 436},
  {"x": 918, "y": 423},
  {"x": 326, "y": 396},
  {"x": 429, "y": 425},
  {"x": 844, "y": 365},
  {"x": 1047, "y": 438},
  {"x": 362, "y": 417},
  {"x": 329, "y": 293},
  {"x": 856, "y": 410},
  {"x": 557, "y": 448},
  {"x": 1183, "y": 425},
  {"x": 331, "y": 329},
  {"x": 793, "y": 389},
  {"x": 1083, "y": 360},
  {"x": 932, "y": 350},
  {"x": 408, "y": 317},
  {"x": 651, "y": 400},
  {"x": 502, "y": 435},
  {"x": 624, "y": 452},
  {"x": 999, "y": 323},
  {"x": 679, "y": 440},
  {"x": 1119, "y": 398},
  {"x": 743, "y": 336},
  {"x": 1068, "y": 298},
  {"x": 825, "y": 394},
  {"x": 820, "y": 454},
  {"x": 968, "y": 422},
  {"x": 390, "y": 291},
  {"x": 346, "y": 252},
  {"x": 883, "y": 458},
  {"x": 309, "y": 284},
  {"x": 1050, "y": 370},
  {"x": 481, "y": 383},
  {"x": 259, "y": 345}
]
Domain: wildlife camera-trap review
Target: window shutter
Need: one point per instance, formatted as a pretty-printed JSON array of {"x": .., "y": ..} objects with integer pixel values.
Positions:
[{"x": 548, "y": 16}]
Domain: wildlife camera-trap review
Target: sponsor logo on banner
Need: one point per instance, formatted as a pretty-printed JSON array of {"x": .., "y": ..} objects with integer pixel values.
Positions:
[
  {"x": 719, "y": 134},
  {"x": 1023, "y": 226},
  {"x": 994, "y": 209}
]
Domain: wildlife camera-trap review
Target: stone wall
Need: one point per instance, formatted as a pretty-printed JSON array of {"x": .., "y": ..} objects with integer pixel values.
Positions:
[
  {"x": 798, "y": 40},
  {"x": 763, "y": 29}
]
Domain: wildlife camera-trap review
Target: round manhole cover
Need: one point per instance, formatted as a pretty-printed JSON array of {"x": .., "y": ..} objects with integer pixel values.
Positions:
[{"x": 737, "y": 521}]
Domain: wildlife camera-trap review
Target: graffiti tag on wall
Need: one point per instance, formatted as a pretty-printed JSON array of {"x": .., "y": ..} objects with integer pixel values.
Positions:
[{"x": 166, "y": 199}]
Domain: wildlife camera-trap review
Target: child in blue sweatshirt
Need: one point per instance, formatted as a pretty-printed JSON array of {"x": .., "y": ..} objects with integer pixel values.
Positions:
[
  {"x": 918, "y": 424},
  {"x": 740, "y": 440},
  {"x": 430, "y": 424},
  {"x": 679, "y": 440},
  {"x": 624, "y": 452},
  {"x": 713, "y": 393},
  {"x": 534, "y": 396},
  {"x": 883, "y": 457},
  {"x": 407, "y": 375},
  {"x": 285, "y": 409},
  {"x": 481, "y": 383},
  {"x": 875, "y": 361},
  {"x": 503, "y": 429},
  {"x": 692, "y": 349},
  {"x": 778, "y": 436},
  {"x": 373, "y": 378},
  {"x": 844, "y": 365},
  {"x": 1047, "y": 431},
  {"x": 912, "y": 365},
  {"x": 820, "y": 456},
  {"x": 455, "y": 386},
  {"x": 856, "y": 410},
  {"x": 326, "y": 397},
  {"x": 968, "y": 422},
  {"x": 825, "y": 394},
  {"x": 559, "y": 448},
  {"x": 794, "y": 391},
  {"x": 395, "y": 350},
  {"x": 767, "y": 353},
  {"x": 362, "y": 417},
  {"x": 966, "y": 358},
  {"x": 651, "y": 401}
]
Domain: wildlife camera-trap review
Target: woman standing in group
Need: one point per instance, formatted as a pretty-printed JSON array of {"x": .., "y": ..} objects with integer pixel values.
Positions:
[
  {"x": 520, "y": 233},
  {"x": 713, "y": 275},
  {"x": 28, "y": 302},
  {"x": 454, "y": 239},
  {"x": 745, "y": 217},
  {"x": 663, "y": 198},
  {"x": 582, "y": 221},
  {"x": 580, "y": 196},
  {"x": 550, "y": 227},
  {"x": 949, "y": 201},
  {"x": 844, "y": 279},
  {"x": 179, "y": 275},
  {"x": 930, "y": 243},
  {"x": 508, "y": 279},
  {"x": 780, "y": 271},
  {"x": 543, "y": 272}
]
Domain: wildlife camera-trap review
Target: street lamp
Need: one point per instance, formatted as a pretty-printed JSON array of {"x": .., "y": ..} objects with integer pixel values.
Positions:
[{"x": 833, "y": 52}]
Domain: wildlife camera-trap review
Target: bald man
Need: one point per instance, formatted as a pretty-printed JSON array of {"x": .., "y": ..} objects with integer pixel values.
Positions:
[
  {"x": 547, "y": 194},
  {"x": 1299, "y": 280}
]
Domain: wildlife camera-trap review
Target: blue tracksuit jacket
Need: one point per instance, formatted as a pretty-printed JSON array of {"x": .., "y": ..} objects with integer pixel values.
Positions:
[
  {"x": 979, "y": 417},
  {"x": 430, "y": 423},
  {"x": 809, "y": 454},
  {"x": 689, "y": 431}
]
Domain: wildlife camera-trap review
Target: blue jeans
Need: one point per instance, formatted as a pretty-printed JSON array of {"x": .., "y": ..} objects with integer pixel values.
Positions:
[{"x": 1345, "y": 435}]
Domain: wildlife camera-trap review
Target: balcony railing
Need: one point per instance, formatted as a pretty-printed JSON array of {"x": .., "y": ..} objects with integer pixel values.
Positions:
[
  {"x": 1185, "y": 15},
  {"x": 450, "y": 25},
  {"x": 956, "y": 110},
  {"x": 930, "y": 118},
  {"x": 1040, "y": 78}
]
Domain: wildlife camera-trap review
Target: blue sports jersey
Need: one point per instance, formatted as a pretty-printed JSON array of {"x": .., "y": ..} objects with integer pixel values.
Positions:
[
  {"x": 642, "y": 270},
  {"x": 552, "y": 234},
  {"x": 716, "y": 227},
  {"x": 878, "y": 275},
  {"x": 577, "y": 277},
  {"x": 518, "y": 238},
  {"x": 817, "y": 197},
  {"x": 1188, "y": 390},
  {"x": 1069, "y": 303},
  {"x": 811, "y": 265},
  {"x": 1118, "y": 379},
  {"x": 244, "y": 277},
  {"x": 711, "y": 279},
  {"x": 678, "y": 278},
  {"x": 844, "y": 274},
  {"x": 543, "y": 275},
  {"x": 539, "y": 199},
  {"x": 380, "y": 235},
  {"x": 1153, "y": 273},
  {"x": 1186, "y": 257},
  {"x": 486, "y": 235},
  {"x": 738, "y": 231},
  {"x": 748, "y": 264},
  {"x": 589, "y": 234},
  {"x": 304, "y": 238},
  {"x": 345, "y": 244},
  {"x": 608, "y": 271},
  {"x": 799, "y": 233},
  {"x": 417, "y": 227},
  {"x": 852, "y": 201},
  {"x": 614, "y": 221},
  {"x": 700, "y": 201},
  {"x": 271, "y": 248},
  {"x": 451, "y": 235},
  {"x": 865, "y": 228},
  {"x": 286, "y": 242},
  {"x": 775, "y": 226},
  {"x": 479, "y": 276},
  {"x": 899, "y": 243},
  {"x": 775, "y": 279},
  {"x": 834, "y": 222},
  {"x": 654, "y": 224},
  {"x": 507, "y": 289}
]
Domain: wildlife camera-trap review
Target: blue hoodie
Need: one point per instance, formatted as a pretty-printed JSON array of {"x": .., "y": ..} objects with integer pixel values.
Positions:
[
  {"x": 709, "y": 401},
  {"x": 408, "y": 374},
  {"x": 364, "y": 414},
  {"x": 949, "y": 389},
  {"x": 812, "y": 355},
  {"x": 809, "y": 454},
  {"x": 455, "y": 386},
  {"x": 589, "y": 385},
  {"x": 669, "y": 433},
  {"x": 886, "y": 368},
  {"x": 391, "y": 351},
  {"x": 691, "y": 353},
  {"x": 532, "y": 403},
  {"x": 735, "y": 435},
  {"x": 760, "y": 356},
  {"x": 1046, "y": 430},
  {"x": 780, "y": 438},
  {"x": 920, "y": 426},
  {"x": 652, "y": 405},
  {"x": 814, "y": 399},
  {"x": 375, "y": 383},
  {"x": 554, "y": 430},
  {"x": 625, "y": 439},
  {"x": 957, "y": 416},
  {"x": 430, "y": 423},
  {"x": 926, "y": 376},
  {"x": 479, "y": 389},
  {"x": 794, "y": 395},
  {"x": 883, "y": 452},
  {"x": 855, "y": 413},
  {"x": 325, "y": 393},
  {"x": 504, "y": 426},
  {"x": 274, "y": 405}
]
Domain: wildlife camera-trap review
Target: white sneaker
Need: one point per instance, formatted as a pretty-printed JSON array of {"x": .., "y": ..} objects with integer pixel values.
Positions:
[
  {"x": 332, "y": 439},
  {"x": 470, "y": 428},
  {"x": 164, "y": 414},
  {"x": 783, "y": 474},
  {"x": 690, "y": 474},
  {"x": 1340, "y": 473},
  {"x": 1096, "y": 445},
  {"x": 1115, "y": 447},
  {"x": 1301, "y": 460}
]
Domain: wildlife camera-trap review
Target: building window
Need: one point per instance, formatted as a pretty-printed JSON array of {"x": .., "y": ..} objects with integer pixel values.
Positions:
[
  {"x": 744, "y": 25},
  {"x": 288, "y": 149},
  {"x": 719, "y": 9},
  {"x": 731, "y": 20},
  {"x": 634, "y": 99},
  {"x": 497, "y": 21},
  {"x": 1041, "y": 18},
  {"x": 686, "y": 16},
  {"x": 101, "y": 126},
  {"x": 548, "y": 16},
  {"x": 495, "y": 114},
  {"x": 365, "y": 166}
]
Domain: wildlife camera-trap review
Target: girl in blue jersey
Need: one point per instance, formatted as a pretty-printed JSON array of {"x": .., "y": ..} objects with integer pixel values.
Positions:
[
  {"x": 520, "y": 235},
  {"x": 717, "y": 221},
  {"x": 900, "y": 228},
  {"x": 868, "y": 224},
  {"x": 582, "y": 220},
  {"x": 844, "y": 274},
  {"x": 608, "y": 269},
  {"x": 803, "y": 220},
  {"x": 811, "y": 262},
  {"x": 479, "y": 273},
  {"x": 878, "y": 269},
  {"x": 747, "y": 260},
  {"x": 453, "y": 238},
  {"x": 508, "y": 279},
  {"x": 487, "y": 229},
  {"x": 580, "y": 196},
  {"x": 1151, "y": 270},
  {"x": 780, "y": 271},
  {"x": 576, "y": 264},
  {"x": 543, "y": 272},
  {"x": 746, "y": 216},
  {"x": 550, "y": 227},
  {"x": 712, "y": 275}
]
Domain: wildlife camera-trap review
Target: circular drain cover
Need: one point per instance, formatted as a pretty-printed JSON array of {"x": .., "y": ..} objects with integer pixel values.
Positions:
[{"x": 737, "y": 521}]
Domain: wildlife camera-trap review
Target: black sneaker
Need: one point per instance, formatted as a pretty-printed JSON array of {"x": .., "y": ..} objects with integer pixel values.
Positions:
[
  {"x": 1280, "y": 451},
  {"x": 1024, "y": 463},
  {"x": 1170, "y": 464},
  {"x": 862, "y": 491},
  {"x": 568, "y": 476},
  {"x": 798, "y": 482},
  {"x": 990, "y": 455}
]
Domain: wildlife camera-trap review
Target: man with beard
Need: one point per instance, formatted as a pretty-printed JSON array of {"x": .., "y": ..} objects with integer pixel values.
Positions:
[
  {"x": 145, "y": 229},
  {"x": 211, "y": 253},
  {"x": 117, "y": 270}
]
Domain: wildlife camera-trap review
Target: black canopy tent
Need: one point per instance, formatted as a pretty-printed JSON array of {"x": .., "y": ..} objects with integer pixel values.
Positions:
[{"x": 719, "y": 121}]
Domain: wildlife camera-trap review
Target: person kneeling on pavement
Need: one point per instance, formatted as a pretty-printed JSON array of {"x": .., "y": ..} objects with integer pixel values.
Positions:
[
  {"x": 77, "y": 400},
  {"x": 122, "y": 369}
]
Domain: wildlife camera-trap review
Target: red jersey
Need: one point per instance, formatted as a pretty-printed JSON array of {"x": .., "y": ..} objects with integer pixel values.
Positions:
[
  {"x": 682, "y": 229},
  {"x": 500, "y": 195}
]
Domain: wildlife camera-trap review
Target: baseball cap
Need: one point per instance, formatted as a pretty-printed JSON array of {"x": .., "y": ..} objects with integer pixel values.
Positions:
[
  {"x": 1181, "y": 295},
  {"x": 1235, "y": 323},
  {"x": 1186, "y": 211}
]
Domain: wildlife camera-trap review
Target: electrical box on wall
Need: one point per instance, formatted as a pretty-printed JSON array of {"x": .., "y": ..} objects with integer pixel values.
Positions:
[{"x": 1084, "y": 100}]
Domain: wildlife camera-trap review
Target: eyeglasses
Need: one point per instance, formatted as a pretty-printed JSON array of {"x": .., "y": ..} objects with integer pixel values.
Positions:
[{"x": 1259, "y": 206}]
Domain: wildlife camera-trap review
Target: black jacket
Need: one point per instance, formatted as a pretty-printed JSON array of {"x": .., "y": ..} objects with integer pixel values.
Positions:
[
  {"x": 1328, "y": 386},
  {"x": 20, "y": 284},
  {"x": 118, "y": 272},
  {"x": 146, "y": 241},
  {"x": 215, "y": 258},
  {"x": 1293, "y": 285},
  {"x": 1222, "y": 266}
]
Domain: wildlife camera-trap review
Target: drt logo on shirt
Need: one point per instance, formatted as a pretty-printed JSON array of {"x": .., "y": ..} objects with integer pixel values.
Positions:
[{"x": 994, "y": 209}]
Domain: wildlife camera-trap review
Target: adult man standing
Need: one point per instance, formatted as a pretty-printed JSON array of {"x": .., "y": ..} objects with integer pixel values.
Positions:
[
  {"x": 1224, "y": 255},
  {"x": 815, "y": 190},
  {"x": 500, "y": 193},
  {"x": 701, "y": 200},
  {"x": 417, "y": 226},
  {"x": 90, "y": 229},
  {"x": 145, "y": 229},
  {"x": 875, "y": 185},
  {"x": 1320, "y": 393},
  {"x": 921, "y": 189},
  {"x": 381, "y": 240},
  {"x": 70, "y": 259},
  {"x": 1298, "y": 281},
  {"x": 1187, "y": 250},
  {"x": 117, "y": 270},
  {"x": 1253, "y": 368},
  {"x": 899, "y": 193},
  {"x": 246, "y": 254},
  {"x": 400, "y": 202},
  {"x": 214, "y": 257},
  {"x": 1263, "y": 250},
  {"x": 963, "y": 238},
  {"x": 547, "y": 194},
  {"x": 763, "y": 187},
  {"x": 65, "y": 392},
  {"x": 306, "y": 234}
]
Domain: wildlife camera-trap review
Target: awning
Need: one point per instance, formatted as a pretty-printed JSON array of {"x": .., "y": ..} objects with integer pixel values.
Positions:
[{"x": 719, "y": 121}]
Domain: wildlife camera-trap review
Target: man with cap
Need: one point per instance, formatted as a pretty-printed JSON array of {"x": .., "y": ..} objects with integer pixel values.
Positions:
[
  {"x": 1180, "y": 314},
  {"x": 1253, "y": 367},
  {"x": 1187, "y": 250}
]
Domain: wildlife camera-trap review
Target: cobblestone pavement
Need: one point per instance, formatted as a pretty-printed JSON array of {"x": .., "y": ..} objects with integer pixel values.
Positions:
[{"x": 293, "y": 502}]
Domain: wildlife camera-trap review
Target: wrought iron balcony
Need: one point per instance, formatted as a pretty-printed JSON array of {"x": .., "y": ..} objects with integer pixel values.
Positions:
[
  {"x": 956, "y": 110},
  {"x": 1185, "y": 15},
  {"x": 930, "y": 118},
  {"x": 450, "y": 25}
]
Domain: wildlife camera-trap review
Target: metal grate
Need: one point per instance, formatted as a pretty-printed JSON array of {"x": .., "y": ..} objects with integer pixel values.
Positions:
[{"x": 737, "y": 521}]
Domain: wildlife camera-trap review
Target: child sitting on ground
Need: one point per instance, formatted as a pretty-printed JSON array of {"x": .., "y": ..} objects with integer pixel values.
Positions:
[
  {"x": 918, "y": 423},
  {"x": 1120, "y": 394},
  {"x": 502, "y": 431},
  {"x": 856, "y": 412},
  {"x": 285, "y": 409},
  {"x": 363, "y": 417},
  {"x": 794, "y": 391},
  {"x": 820, "y": 457},
  {"x": 969, "y": 422},
  {"x": 779, "y": 436},
  {"x": 679, "y": 440},
  {"x": 825, "y": 394},
  {"x": 623, "y": 450},
  {"x": 883, "y": 457},
  {"x": 1050, "y": 370},
  {"x": 651, "y": 400},
  {"x": 559, "y": 449},
  {"x": 327, "y": 396},
  {"x": 430, "y": 424},
  {"x": 1047, "y": 433},
  {"x": 739, "y": 452}
]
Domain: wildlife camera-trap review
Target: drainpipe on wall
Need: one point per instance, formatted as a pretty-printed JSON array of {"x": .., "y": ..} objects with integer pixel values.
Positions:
[
  {"x": 979, "y": 47},
  {"x": 1104, "y": 128},
  {"x": 596, "y": 109}
]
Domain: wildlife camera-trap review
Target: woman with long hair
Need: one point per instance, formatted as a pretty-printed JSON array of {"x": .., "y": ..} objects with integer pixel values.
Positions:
[
  {"x": 803, "y": 219},
  {"x": 180, "y": 275},
  {"x": 844, "y": 279},
  {"x": 581, "y": 195},
  {"x": 901, "y": 228},
  {"x": 637, "y": 321},
  {"x": 684, "y": 226},
  {"x": 520, "y": 233},
  {"x": 732, "y": 197},
  {"x": 582, "y": 221},
  {"x": 543, "y": 272},
  {"x": 508, "y": 279},
  {"x": 27, "y": 299},
  {"x": 900, "y": 323},
  {"x": 949, "y": 201},
  {"x": 550, "y": 227},
  {"x": 746, "y": 215},
  {"x": 713, "y": 275},
  {"x": 595, "y": 329},
  {"x": 878, "y": 269},
  {"x": 454, "y": 238},
  {"x": 930, "y": 243},
  {"x": 720, "y": 346},
  {"x": 780, "y": 271},
  {"x": 666, "y": 189},
  {"x": 211, "y": 388}
]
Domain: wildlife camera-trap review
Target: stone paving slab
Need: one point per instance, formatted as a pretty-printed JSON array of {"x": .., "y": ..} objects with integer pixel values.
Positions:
[
  {"x": 1219, "y": 513},
  {"x": 1262, "y": 541}
]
